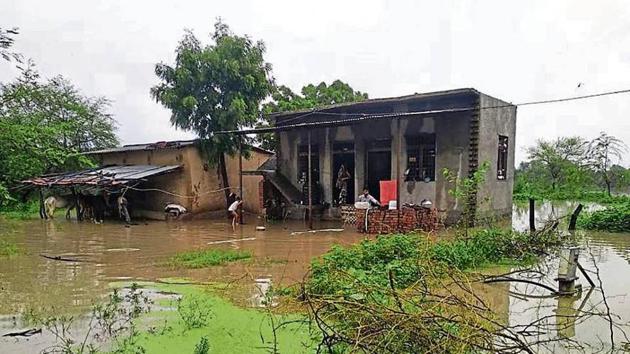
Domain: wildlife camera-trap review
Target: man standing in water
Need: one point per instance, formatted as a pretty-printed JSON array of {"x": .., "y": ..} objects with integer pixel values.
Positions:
[{"x": 233, "y": 210}]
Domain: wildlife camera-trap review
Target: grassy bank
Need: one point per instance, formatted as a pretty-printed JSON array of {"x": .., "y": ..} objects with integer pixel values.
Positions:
[
  {"x": 207, "y": 258},
  {"x": 614, "y": 218},
  {"x": 23, "y": 211}
]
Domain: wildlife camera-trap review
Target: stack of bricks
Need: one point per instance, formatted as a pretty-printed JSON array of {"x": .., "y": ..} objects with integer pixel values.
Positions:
[{"x": 390, "y": 221}]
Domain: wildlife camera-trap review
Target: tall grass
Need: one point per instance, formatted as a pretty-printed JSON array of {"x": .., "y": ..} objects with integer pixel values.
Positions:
[{"x": 207, "y": 258}]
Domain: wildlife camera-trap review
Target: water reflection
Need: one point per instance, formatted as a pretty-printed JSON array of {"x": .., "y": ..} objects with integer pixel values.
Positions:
[{"x": 110, "y": 252}]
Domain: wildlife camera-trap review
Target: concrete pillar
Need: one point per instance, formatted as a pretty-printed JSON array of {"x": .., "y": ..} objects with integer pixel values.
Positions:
[
  {"x": 394, "y": 147},
  {"x": 326, "y": 174},
  {"x": 359, "y": 161}
]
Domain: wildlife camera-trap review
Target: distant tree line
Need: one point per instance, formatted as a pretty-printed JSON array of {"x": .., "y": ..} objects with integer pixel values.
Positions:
[{"x": 573, "y": 167}]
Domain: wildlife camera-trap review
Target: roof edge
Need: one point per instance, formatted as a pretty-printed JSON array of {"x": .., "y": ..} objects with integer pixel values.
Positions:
[{"x": 378, "y": 100}]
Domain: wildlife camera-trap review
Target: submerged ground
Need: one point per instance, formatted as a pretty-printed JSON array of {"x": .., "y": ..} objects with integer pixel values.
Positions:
[{"x": 112, "y": 253}]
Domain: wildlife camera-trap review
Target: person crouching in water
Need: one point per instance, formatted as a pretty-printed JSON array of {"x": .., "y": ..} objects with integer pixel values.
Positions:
[{"x": 233, "y": 210}]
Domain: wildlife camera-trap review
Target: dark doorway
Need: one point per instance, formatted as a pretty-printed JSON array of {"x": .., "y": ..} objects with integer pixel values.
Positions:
[
  {"x": 343, "y": 154},
  {"x": 379, "y": 168},
  {"x": 303, "y": 173}
]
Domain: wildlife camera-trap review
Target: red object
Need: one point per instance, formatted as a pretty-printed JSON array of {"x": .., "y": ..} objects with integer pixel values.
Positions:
[{"x": 388, "y": 191}]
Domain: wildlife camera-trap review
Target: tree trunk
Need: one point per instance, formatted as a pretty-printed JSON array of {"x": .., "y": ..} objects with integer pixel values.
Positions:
[{"x": 224, "y": 178}]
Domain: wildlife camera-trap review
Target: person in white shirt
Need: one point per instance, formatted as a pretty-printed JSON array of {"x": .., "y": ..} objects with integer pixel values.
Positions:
[
  {"x": 233, "y": 210},
  {"x": 366, "y": 197}
]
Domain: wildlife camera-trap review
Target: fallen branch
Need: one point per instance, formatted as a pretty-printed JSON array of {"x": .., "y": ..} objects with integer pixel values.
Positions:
[
  {"x": 62, "y": 259},
  {"x": 25, "y": 333},
  {"x": 315, "y": 231}
]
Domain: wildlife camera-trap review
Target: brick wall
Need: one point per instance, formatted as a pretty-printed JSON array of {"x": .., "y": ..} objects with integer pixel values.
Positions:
[{"x": 391, "y": 221}]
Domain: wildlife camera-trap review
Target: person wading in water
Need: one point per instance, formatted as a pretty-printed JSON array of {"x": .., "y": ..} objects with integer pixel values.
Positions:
[{"x": 233, "y": 210}]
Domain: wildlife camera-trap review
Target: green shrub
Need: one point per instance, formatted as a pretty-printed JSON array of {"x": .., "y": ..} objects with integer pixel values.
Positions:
[
  {"x": 207, "y": 258},
  {"x": 406, "y": 259},
  {"x": 194, "y": 311},
  {"x": 203, "y": 347},
  {"x": 615, "y": 218},
  {"x": 21, "y": 211}
]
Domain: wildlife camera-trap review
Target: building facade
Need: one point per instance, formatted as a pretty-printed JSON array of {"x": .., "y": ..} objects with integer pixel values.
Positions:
[{"x": 411, "y": 139}]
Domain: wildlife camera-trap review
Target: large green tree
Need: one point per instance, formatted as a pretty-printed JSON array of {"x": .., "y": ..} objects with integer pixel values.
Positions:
[
  {"x": 560, "y": 161},
  {"x": 604, "y": 151},
  {"x": 215, "y": 87},
  {"x": 46, "y": 124},
  {"x": 312, "y": 96}
]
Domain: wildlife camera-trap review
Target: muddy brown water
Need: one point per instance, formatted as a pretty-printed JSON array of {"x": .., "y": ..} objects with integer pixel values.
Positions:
[{"x": 112, "y": 252}]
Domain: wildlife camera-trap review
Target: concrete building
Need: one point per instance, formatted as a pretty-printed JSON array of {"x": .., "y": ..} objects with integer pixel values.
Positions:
[
  {"x": 410, "y": 139},
  {"x": 196, "y": 185}
]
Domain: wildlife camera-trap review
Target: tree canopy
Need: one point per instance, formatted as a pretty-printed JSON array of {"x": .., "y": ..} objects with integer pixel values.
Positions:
[
  {"x": 46, "y": 124},
  {"x": 312, "y": 96},
  {"x": 571, "y": 166},
  {"x": 214, "y": 87}
]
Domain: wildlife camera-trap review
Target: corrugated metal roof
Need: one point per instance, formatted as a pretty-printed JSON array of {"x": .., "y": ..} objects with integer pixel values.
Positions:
[
  {"x": 108, "y": 175},
  {"x": 147, "y": 146},
  {"x": 158, "y": 146}
]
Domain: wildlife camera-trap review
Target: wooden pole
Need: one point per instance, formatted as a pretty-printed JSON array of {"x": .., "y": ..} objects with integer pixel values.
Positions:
[
  {"x": 574, "y": 217},
  {"x": 398, "y": 153},
  {"x": 42, "y": 208},
  {"x": 532, "y": 215},
  {"x": 240, "y": 176},
  {"x": 310, "y": 185}
]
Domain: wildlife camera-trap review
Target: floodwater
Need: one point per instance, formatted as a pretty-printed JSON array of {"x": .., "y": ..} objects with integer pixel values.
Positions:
[{"x": 93, "y": 256}]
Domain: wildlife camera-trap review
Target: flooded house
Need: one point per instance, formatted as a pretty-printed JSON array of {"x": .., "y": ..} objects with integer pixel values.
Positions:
[
  {"x": 402, "y": 143},
  {"x": 151, "y": 177},
  {"x": 193, "y": 183}
]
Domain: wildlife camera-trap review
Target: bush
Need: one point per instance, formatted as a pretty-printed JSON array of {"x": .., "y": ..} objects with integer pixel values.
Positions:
[
  {"x": 404, "y": 293},
  {"x": 203, "y": 347},
  {"x": 615, "y": 218},
  {"x": 21, "y": 211},
  {"x": 208, "y": 257},
  {"x": 194, "y": 311},
  {"x": 405, "y": 258}
]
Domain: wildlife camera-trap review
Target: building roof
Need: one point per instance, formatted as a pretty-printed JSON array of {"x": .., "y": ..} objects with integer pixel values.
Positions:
[
  {"x": 378, "y": 101},
  {"x": 103, "y": 176},
  {"x": 160, "y": 145},
  {"x": 439, "y": 103}
]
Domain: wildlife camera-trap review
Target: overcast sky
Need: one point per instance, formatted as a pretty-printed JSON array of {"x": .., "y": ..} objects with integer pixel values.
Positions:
[{"x": 514, "y": 50}]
